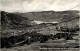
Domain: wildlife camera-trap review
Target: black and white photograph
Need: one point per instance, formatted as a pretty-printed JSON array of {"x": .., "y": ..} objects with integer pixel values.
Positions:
[{"x": 39, "y": 25}]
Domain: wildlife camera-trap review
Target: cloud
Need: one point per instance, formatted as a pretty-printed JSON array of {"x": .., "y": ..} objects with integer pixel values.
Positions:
[{"x": 38, "y": 5}]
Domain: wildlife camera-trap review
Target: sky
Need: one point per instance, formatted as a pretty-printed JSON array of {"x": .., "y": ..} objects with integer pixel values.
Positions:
[{"x": 38, "y": 5}]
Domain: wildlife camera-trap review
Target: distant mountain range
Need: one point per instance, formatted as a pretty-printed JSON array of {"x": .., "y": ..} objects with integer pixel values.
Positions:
[
  {"x": 23, "y": 20},
  {"x": 50, "y": 16}
]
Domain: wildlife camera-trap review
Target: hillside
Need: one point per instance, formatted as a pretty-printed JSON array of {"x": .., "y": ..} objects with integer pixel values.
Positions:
[
  {"x": 26, "y": 20},
  {"x": 71, "y": 24},
  {"x": 71, "y": 17},
  {"x": 13, "y": 21}
]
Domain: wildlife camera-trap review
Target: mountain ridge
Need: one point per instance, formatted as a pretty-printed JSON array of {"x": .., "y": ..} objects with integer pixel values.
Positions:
[{"x": 49, "y": 16}]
